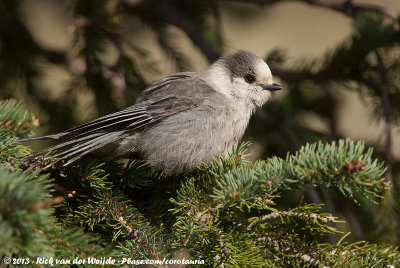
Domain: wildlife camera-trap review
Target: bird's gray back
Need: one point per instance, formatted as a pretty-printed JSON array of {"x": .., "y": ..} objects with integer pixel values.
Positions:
[
  {"x": 185, "y": 85},
  {"x": 183, "y": 140}
]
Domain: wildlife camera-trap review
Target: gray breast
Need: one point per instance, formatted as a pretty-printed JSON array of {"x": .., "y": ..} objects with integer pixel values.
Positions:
[{"x": 181, "y": 142}]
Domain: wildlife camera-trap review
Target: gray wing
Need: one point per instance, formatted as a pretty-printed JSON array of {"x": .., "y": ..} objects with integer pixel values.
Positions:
[
  {"x": 165, "y": 98},
  {"x": 189, "y": 78}
]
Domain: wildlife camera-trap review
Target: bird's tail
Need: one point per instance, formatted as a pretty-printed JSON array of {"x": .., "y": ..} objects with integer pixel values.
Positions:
[
  {"x": 47, "y": 137},
  {"x": 73, "y": 148}
]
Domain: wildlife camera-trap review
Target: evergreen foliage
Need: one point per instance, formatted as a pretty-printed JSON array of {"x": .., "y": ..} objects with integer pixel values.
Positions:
[{"x": 228, "y": 213}]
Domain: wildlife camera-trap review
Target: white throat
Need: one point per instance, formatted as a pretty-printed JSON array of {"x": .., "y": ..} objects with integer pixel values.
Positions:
[{"x": 219, "y": 79}]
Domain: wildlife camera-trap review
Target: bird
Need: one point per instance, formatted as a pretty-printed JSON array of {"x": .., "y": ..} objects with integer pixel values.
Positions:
[{"x": 179, "y": 122}]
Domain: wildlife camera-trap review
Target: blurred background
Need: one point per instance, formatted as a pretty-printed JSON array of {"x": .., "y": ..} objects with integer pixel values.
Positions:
[{"x": 339, "y": 61}]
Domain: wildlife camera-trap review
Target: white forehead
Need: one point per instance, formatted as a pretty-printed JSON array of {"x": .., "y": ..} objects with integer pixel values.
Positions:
[{"x": 263, "y": 72}]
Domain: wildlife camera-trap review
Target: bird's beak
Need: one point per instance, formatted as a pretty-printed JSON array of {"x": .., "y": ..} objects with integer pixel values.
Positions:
[{"x": 272, "y": 87}]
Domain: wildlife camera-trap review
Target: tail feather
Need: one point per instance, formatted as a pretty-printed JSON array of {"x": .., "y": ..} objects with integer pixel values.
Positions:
[
  {"x": 63, "y": 144},
  {"x": 81, "y": 140},
  {"x": 89, "y": 149},
  {"x": 74, "y": 149},
  {"x": 52, "y": 137},
  {"x": 82, "y": 149}
]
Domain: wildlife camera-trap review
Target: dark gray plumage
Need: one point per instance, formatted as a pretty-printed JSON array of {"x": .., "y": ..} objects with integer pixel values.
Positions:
[
  {"x": 180, "y": 121},
  {"x": 241, "y": 63}
]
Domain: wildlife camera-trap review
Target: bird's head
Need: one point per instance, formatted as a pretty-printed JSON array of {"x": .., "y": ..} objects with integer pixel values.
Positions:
[{"x": 245, "y": 76}]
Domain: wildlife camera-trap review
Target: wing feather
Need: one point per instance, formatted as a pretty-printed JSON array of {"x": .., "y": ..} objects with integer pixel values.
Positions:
[
  {"x": 159, "y": 102},
  {"x": 87, "y": 147}
]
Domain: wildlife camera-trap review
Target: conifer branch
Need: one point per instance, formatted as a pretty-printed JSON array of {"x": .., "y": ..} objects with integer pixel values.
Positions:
[
  {"x": 14, "y": 116},
  {"x": 343, "y": 165},
  {"x": 226, "y": 214}
]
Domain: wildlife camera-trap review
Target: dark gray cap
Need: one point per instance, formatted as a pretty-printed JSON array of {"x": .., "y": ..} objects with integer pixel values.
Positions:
[{"x": 240, "y": 63}]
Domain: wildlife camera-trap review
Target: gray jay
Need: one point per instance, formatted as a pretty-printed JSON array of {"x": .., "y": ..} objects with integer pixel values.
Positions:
[{"x": 180, "y": 121}]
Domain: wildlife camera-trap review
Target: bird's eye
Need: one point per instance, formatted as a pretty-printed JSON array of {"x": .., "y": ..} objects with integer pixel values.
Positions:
[{"x": 249, "y": 78}]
